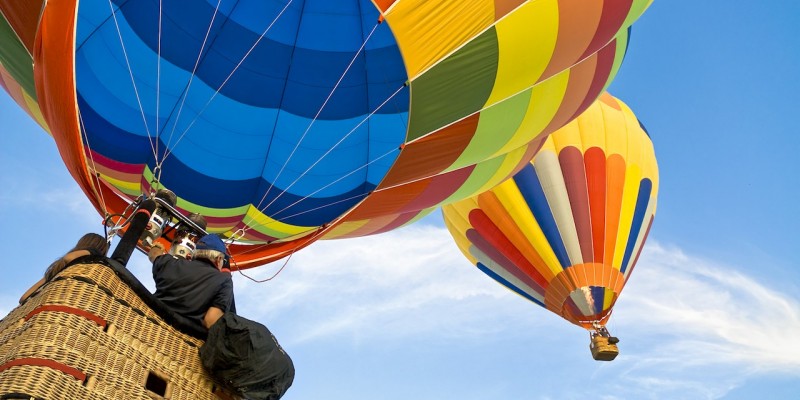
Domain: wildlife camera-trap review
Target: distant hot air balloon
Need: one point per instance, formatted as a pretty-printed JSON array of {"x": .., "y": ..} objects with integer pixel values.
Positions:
[
  {"x": 566, "y": 231},
  {"x": 283, "y": 121}
]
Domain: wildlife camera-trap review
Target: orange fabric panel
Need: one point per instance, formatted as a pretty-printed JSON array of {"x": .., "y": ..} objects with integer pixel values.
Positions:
[
  {"x": 575, "y": 277},
  {"x": 580, "y": 80},
  {"x": 383, "y": 5},
  {"x": 489, "y": 202},
  {"x": 614, "y": 188},
  {"x": 577, "y": 22},
  {"x": 388, "y": 201},
  {"x": 595, "y": 161},
  {"x": 23, "y": 16},
  {"x": 503, "y": 7},
  {"x": 430, "y": 155}
]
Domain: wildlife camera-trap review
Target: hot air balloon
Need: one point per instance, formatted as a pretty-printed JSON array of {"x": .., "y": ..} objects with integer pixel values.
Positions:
[
  {"x": 566, "y": 231},
  {"x": 281, "y": 122}
]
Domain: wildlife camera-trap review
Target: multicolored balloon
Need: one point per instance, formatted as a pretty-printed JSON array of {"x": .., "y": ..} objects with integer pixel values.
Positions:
[
  {"x": 284, "y": 121},
  {"x": 566, "y": 231}
]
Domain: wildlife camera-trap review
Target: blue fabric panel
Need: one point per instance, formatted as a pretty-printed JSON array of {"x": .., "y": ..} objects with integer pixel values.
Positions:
[
  {"x": 507, "y": 284},
  {"x": 642, "y": 201},
  {"x": 598, "y": 294},
  {"x": 531, "y": 190}
]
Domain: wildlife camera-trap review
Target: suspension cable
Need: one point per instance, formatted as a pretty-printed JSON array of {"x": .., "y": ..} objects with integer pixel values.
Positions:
[
  {"x": 133, "y": 80},
  {"x": 216, "y": 92},
  {"x": 185, "y": 93},
  {"x": 316, "y": 116}
]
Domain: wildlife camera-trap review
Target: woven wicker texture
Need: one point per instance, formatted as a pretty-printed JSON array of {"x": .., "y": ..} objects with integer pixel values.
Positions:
[{"x": 116, "y": 359}]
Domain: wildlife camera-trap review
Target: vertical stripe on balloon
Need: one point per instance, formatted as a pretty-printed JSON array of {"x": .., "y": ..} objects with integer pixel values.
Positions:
[
  {"x": 574, "y": 172},
  {"x": 595, "y": 163},
  {"x": 531, "y": 190},
  {"x": 642, "y": 201}
]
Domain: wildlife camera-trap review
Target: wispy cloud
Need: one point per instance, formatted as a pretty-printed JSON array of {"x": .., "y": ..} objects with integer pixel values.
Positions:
[
  {"x": 400, "y": 283},
  {"x": 703, "y": 328}
]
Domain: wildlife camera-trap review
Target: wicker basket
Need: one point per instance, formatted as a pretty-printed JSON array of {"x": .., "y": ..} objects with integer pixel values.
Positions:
[{"x": 87, "y": 335}]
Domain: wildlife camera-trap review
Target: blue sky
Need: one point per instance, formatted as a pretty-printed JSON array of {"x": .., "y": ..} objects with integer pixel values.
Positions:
[{"x": 711, "y": 311}]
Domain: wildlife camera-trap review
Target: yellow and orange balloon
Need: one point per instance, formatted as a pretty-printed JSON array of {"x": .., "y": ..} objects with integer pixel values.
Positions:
[{"x": 566, "y": 231}]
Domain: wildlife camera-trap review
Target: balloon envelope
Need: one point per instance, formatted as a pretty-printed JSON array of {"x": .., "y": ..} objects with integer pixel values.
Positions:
[
  {"x": 566, "y": 231},
  {"x": 280, "y": 121}
]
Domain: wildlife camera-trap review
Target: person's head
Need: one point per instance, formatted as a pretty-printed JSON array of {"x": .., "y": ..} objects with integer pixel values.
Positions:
[
  {"x": 92, "y": 241},
  {"x": 212, "y": 248},
  {"x": 89, "y": 241}
]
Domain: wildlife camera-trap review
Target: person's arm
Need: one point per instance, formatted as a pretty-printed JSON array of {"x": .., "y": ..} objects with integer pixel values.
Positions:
[
  {"x": 212, "y": 315},
  {"x": 156, "y": 251},
  {"x": 30, "y": 291}
]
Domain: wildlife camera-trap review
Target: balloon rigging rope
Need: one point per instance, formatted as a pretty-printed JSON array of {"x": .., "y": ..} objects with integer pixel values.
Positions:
[
  {"x": 338, "y": 179},
  {"x": 286, "y": 262},
  {"x": 310, "y": 124},
  {"x": 95, "y": 175},
  {"x": 216, "y": 92},
  {"x": 133, "y": 81},
  {"x": 185, "y": 93}
]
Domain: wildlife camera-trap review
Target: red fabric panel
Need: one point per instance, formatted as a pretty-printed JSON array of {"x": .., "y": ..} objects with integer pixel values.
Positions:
[
  {"x": 495, "y": 237},
  {"x": 42, "y": 362},
  {"x": 574, "y": 172},
  {"x": 69, "y": 310},
  {"x": 614, "y": 14},
  {"x": 595, "y": 162},
  {"x": 431, "y": 154},
  {"x": 440, "y": 188},
  {"x": 23, "y": 16}
]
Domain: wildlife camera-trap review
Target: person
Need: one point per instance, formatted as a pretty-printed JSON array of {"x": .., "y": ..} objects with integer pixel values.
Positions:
[
  {"x": 195, "y": 288},
  {"x": 88, "y": 244}
]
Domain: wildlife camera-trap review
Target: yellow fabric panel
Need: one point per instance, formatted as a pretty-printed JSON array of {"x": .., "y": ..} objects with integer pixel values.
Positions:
[
  {"x": 545, "y": 100},
  {"x": 456, "y": 223},
  {"x": 633, "y": 175},
  {"x": 129, "y": 188},
  {"x": 616, "y": 132},
  {"x": 508, "y": 162},
  {"x": 269, "y": 226},
  {"x": 427, "y": 31},
  {"x": 515, "y": 204},
  {"x": 570, "y": 134},
  {"x": 345, "y": 228},
  {"x": 521, "y": 62},
  {"x": 35, "y": 112},
  {"x": 592, "y": 127},
  {"x": 608, "y": 299}
]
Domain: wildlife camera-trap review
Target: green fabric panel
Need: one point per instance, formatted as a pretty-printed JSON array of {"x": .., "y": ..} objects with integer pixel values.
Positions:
[
  {"x": 15, "y": 58},
  {"x": 496, "y": 126},
  {"x": 480, "y": 175},
  {"x": 636, "y": 11},
  {"x": 622, "y": 47},
  {"x": 455, "y": 88}
]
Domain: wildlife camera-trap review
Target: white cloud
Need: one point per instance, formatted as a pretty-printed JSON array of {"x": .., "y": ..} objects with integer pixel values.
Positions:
[
  {"x": 399, "y": 283},
  {"x": 703, "y": 328}
]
